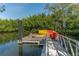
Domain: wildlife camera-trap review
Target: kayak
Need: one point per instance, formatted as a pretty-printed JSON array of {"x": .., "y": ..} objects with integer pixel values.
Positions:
[{"x": 51, "y": 33}]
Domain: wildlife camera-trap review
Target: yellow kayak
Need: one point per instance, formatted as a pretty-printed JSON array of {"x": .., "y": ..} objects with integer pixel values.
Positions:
[{"x": 42, "y": 32}]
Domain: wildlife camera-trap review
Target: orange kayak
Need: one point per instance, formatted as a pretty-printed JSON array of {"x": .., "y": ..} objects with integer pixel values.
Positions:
[{"x": 52, "y": 34}]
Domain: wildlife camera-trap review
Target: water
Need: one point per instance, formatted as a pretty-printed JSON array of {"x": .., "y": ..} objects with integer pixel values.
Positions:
[
  {"x": 10, "y": 47},
  {"x": 13, "y": 49}
]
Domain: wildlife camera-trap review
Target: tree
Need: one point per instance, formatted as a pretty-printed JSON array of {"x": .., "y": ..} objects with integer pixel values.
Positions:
[
  {"x": 2, "y": 8},
  {"x": 63, "y": 12}
]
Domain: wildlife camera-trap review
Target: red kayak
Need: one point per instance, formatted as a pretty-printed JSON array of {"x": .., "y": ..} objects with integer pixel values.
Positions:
[{"x": 52, "y": 34}]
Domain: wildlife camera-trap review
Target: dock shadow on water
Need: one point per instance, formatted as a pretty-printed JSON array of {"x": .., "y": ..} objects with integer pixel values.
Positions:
[{"x": 30, "y": 50}]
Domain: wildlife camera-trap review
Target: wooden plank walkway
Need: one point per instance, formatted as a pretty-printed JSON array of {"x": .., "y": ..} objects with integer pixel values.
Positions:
[
  {"x": 49, "y": 49},
  {"x": 53, "y": 48}
]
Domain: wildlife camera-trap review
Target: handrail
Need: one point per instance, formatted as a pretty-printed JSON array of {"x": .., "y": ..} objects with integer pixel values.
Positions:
[
  {"x": 69, "y": 38},
  {"x": 66, "y": 43},
  {"x": 69, "y": 46}
]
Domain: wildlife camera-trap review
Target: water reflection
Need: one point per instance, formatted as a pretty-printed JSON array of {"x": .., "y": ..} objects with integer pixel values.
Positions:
[
  {"x": 13, "y": 49},
  {"x": 10, "y": 47},
  {"x": 32, "y": 50},
  {"x": 20, "y": 49},
  {"x": 6, "y": 37}
]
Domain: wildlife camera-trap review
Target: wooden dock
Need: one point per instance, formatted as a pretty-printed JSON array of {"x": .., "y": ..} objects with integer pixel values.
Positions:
[
  {"x": 53, "y": 48},
  {"x": 33, "y": 39}
]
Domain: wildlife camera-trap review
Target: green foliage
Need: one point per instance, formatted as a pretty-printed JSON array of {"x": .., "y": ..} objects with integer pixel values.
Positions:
[
  {"x": 58, "y": 13},
  {"x": 36, "y": 22},
  {"x": 8, "y": 25}
]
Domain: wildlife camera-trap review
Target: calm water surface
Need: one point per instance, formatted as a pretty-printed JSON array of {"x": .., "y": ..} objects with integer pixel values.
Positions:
[
  {"x": 10, "y": 47},
  {"x": 13, "y": 49}
]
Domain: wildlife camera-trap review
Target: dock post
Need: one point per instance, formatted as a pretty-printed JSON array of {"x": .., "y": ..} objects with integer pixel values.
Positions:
[
  {"x": 20, "y": 31},
  {"x": 20, "y": 37}
]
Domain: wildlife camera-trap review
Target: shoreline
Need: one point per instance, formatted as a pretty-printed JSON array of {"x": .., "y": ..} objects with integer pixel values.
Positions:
[{"x": 8, "y": 31}]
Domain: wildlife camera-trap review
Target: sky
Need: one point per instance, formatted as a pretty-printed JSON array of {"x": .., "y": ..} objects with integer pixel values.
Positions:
[{"x": 20, "y": 10}]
